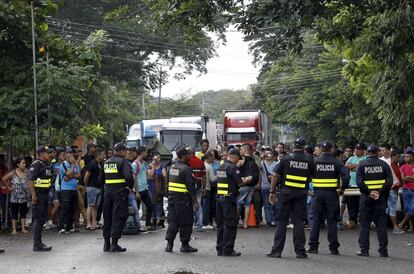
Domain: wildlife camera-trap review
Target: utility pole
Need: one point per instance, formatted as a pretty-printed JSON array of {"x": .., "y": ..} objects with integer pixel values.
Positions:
[
  {"x": 159, "y": 92},
  {"x": 204, "y": 109},
  {"x": 34, "y": 77},
  {"x": 143, "y": 105},
  {"x": 49, "y": 118}
]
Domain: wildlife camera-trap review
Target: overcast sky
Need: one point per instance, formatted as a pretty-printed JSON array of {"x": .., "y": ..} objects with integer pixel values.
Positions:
[{"x": 231, "y": 69}]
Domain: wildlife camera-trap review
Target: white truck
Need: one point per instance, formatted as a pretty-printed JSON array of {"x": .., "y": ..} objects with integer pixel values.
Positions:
[{"x": 188, "y": 131}]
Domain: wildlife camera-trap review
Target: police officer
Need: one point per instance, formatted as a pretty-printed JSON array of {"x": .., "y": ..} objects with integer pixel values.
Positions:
[
  {"x": 40, "y": 183},
  {"x": 293, "y": 173},
  {"x": 327, "y": 174},
  {"x": 228, "y": 183},
  {"x": 374, "y": 179},
  {"x": 118, "y": 182},
  {"x": 181, "y": 199}
]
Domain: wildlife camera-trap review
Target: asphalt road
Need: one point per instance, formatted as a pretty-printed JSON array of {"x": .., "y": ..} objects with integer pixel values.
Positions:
[{"x": 82, "y": 253}]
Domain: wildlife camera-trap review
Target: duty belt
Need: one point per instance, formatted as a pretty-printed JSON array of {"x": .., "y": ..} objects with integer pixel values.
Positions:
[
  {"x": 222, "y": 189},
  {"x": 325, "y": 182},
  {"x": 374, "y": 184},
  {"x": 177, "y": 187},
  {"x": 295, "y": 181},
  {"x": 42, "y": 183}
]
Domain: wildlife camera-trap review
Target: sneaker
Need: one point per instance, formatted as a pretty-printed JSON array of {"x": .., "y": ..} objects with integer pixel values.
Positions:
[
  {"x": 62, "y": 231},
  {"x": 142, "y": 231},
  {"x": 74, "y": 230},
  {"x": 290, "y": 226},
  {"x": 341, "y": 226},
  {"x": 398, "y": 231}
]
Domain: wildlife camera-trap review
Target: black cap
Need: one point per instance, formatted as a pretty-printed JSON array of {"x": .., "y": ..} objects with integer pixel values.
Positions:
[
  {"x": 373, "y": 149},
  {"x": 235, "y": 151},
  {"x": 182, "y": 152},
  {"x": 300, "y": 142},
  {"x": 43, "y": 149},
  {"x": 119, "y": 146},
  {"x": 410, "y": 151},
  {"x": 230, "y": 147},
  {"x": 327, "y": 144},
  {"x": 53, "y": 148},
  {"x": 360, "y": 146}
]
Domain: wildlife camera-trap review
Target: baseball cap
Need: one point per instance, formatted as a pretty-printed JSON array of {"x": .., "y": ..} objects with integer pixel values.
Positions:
[
  {"x": 410, "y": 151},
  {"x": 300, "y": 142},
  {"x": 43, "y": 149},
  {"x": 327, "y": 144},
  {"x": 360, "y": 146},
  {"x": 373, "y": 148},
  {"x": 234, "y": 151},
  {"x": 119, "y": 146}
]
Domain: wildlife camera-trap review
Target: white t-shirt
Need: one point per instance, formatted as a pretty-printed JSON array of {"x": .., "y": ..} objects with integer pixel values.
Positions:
[{"x": 388, "y": 161}]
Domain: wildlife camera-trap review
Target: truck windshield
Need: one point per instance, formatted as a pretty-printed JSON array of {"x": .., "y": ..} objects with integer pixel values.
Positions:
[
  {"x": 248, "y": 136},
  {"x": 174, "y": 139}
]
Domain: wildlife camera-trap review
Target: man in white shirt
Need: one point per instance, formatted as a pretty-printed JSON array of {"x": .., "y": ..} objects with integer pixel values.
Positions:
[{"x": 393, "y": 197}]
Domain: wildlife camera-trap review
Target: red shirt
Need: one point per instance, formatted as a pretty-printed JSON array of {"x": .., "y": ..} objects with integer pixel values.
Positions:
[
  {"x": 408, "y": 170},
  {"x": 198, "y": 168}
]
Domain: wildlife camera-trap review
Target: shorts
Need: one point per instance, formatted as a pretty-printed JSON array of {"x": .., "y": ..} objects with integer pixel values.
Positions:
[
  {"x": 245, "y": 197},
  {"x": 392, "y": 203},
  {"x": 18, "y": 210},
  {"x": 408, "y": 196},
  {"x": 93, "y": 196},
  {"x": 53, "y": 198}
]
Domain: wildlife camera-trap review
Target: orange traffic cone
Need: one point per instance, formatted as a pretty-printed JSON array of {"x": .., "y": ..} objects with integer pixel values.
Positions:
[{"x": 251, "y": 221}]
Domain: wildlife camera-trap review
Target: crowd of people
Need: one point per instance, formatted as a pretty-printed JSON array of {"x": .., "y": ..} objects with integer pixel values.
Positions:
[{"x": 75, "y": 198}]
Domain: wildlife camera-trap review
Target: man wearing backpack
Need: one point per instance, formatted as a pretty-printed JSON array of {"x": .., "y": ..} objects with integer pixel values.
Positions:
[
  {"x": 266, "y": 170},
  {"x": 139, "y": 170}
]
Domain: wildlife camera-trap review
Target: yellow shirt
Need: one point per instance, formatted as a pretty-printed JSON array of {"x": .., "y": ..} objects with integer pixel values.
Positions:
[{"x": 199, "y": 155}]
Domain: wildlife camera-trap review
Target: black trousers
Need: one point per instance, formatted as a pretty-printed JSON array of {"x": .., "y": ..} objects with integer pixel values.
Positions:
[
  {"x": 258, "y": 205},
  {"x": 292, "y": 205},
  {"x": 213, "y": 203},
  {"x": 180, "y": 218},
  {"x": 371, "y": 210},
  {"x": 226, "y": 218},
  {"x": 115, "y": 211},
  {"x": 325, "y": 205},
  {"x": 146, "y": 199},
  {"x": 39, "y": 215},
  {"x": 68, "y": 207},
  {"x": 353, "y": 208}
]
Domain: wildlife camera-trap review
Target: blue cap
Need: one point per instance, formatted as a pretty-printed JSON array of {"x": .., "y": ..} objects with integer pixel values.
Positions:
[{"x": 300, "y": 142}]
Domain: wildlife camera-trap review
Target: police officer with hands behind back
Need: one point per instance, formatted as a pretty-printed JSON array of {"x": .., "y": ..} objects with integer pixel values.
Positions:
[
  {"x": 118, "y": 183},
  {"x": 181, "y": 199},
  {"x": 374, "y": 179},
  {"x": 228, "y": 182},
  {"x": 293, "y": 173},
  {"x": 40, "y": 183},
  {"x": 327, "y": 174}
]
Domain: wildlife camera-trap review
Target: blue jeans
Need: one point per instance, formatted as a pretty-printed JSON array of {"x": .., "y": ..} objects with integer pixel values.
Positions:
[
  {"x": 199, "y": 212},
  {"x": 205, "y": 204},
  {"x": 132, "y": 201},
  {"x": 392, "y": 203},
  {"x": 269, "y": 209},
  {"x": 408, "y": 196},
  {"x": 309, "y": 209}
]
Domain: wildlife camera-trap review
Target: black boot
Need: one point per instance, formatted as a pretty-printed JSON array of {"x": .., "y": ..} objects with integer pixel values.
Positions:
[
  {"x": 107, "y": 245},
  {"x": 169, "y": 246},
  {"x": 115, "y": 247},
  {"x": 187, "y": 248},
  {"x": 41, "y": 247},
  {"x": 2, "y": 251}
]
